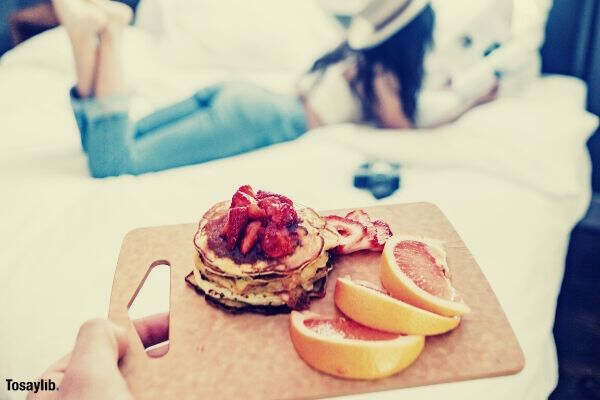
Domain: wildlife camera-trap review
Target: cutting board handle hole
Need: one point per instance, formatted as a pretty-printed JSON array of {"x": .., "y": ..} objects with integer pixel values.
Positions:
[{"x": 149, "y": 309}]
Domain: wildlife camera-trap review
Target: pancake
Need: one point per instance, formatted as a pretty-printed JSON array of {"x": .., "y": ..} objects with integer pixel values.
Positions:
[
  {"x": 237, "y": 307},
  {"x": 304, "y": 276},
  {"x": 260, "y": 292},
  {"x": 315, "y": 239},
  {"x": 261, "y": 253}
]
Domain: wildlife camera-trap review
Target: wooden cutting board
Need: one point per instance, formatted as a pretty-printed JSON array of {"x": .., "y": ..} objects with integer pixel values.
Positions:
[{"x": 215, "y": 355}]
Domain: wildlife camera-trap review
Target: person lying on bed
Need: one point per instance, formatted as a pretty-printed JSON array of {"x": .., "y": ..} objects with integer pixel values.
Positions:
[{"x": 373, "y": 77}]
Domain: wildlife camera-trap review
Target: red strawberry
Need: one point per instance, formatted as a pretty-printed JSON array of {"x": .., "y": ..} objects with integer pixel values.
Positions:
[
  {"x": 365, "y": 242},
  {"x": 255, "y": 212},
  {"x": 276, "y": 241},
  {"x": 244, "y": 197},
  {"x": 382, "y": 234},
  {"x": 237, "y": 218},
  {"x": 377, "y": 232},
  {"x": 282, "y": 214},
  {"x": 261, "y": 194},
  {"x": 250, "y": 236},
  {"x": 348, "y": 230},
  {"x": 247, "y": 189},
  {"x": 360, "y": 216},
  {"x": 241, "y": 199}
]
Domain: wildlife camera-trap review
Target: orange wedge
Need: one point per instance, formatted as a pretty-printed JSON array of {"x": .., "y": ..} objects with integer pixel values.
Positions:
[
  {"x": 344, "y": 348},
  {"x": 375, "y": 309},
  {"x": 414, "y": 270}
]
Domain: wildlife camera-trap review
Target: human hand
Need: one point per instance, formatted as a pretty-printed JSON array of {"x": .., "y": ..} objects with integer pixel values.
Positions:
[
  {"x": 489, "y": 95},
  {"x": 91, "y": 370}
]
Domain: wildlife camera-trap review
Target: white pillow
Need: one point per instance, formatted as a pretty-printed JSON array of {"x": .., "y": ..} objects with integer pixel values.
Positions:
[
  {"x": 536, "y": 139},
  {"x": 466, "y": 29},
  {"x": 511, "y": 32}
]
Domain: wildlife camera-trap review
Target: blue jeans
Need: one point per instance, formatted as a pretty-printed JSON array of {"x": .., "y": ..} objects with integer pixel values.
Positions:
[{"x": 217, "y": 121}]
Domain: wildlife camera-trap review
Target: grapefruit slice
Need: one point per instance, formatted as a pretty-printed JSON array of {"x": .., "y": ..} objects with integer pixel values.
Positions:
[
  {"x": 414, "y": 270},
  {"x": 344, "y": 348},
  {"x": 369, "y": 306}
]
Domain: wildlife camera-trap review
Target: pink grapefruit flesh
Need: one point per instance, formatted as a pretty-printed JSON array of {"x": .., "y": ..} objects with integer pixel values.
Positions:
[
  {"x": 346, "y": 329},
  {"x": 413, "y": 258}
]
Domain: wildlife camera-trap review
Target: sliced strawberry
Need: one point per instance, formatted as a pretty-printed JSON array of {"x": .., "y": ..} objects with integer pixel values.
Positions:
[
  {"x": 241, "y": 199},
  {"x": 237, "y": 218},
  {"x": 382, "y": 234},
  {"x": 250, "y": 236},
  {"x": 261, "y": 194},
  {"x": 349, "y": 231},
  {"x": 377, "y": 232},
  {"x": 247, "y": 189},
  {"x": 282, "y": 214},
  {"x": 365, "y": 242},
  {"x": 255, "y": 212},
  {"x": 360, "y": 216},
  {"x": 276, "y": 241},
  {"x": 244, "y": 196}
]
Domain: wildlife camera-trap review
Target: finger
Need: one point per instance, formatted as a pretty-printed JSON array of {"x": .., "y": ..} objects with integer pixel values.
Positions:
[
  {"x": 93, "y": 372},
  {"x": 99, "y": 345},
  {"x": 55, "y": 377},
  {"x": 158, "y": 351},
  {"x": 153, "y": 329},
  {"x": 59, "y": 365},
  {"x": 55, "y": 373}
]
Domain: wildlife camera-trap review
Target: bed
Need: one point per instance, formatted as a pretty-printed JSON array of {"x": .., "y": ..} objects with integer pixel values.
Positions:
[{"x": 512, "y": 176}]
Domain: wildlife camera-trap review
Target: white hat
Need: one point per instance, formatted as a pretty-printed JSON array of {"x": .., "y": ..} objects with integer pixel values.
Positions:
[{"x": 381, "y": 19}]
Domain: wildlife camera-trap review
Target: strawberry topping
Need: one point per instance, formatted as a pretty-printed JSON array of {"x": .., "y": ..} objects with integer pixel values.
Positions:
[
  {"x": 251, "y": 236},
  {"x": 265, "y": 218},
  {"x": 281, "y": 213},
  {"x": 237, "y": 217},
  {"x": 276, "y": 241},
  {"x": 240, "y": 199},
  {"x": 247, "y": 189},
  {"x": 255, "y": 212},
  {"x": 261, "y": 194}
]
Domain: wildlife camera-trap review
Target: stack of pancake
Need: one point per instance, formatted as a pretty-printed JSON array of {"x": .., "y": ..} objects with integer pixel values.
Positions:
[{"x": 251, "y": 281}]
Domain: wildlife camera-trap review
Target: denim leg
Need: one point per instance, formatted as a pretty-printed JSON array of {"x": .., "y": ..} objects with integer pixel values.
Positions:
[
  {"x": 234, "y": 119},
  {"x": 219, "y": 121},
  {"x": 170, "y": 114},
  {"x": 106, "y": 133},
  {"x": 109, "y": 143},
  {"x": 78, "y": 106}
]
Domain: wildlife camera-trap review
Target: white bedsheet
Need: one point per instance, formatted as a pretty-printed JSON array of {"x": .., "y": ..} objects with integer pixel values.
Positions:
[{"x": 513, "y": 177}]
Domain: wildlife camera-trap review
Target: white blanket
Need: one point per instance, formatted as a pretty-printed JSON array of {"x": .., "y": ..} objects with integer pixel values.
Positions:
[{"x": 511, "y": 176}]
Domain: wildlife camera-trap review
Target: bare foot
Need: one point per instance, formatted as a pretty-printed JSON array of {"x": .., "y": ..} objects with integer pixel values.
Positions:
[
  {"x": 80, "y": 17},
  {"x": 88, "y": 18},
  {"x": 117, "y": 13}
]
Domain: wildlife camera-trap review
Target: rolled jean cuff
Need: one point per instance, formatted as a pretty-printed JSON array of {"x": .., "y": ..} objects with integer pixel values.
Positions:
[
  {"x": 94, "y": 107},
  {"x": 89, "y": 109}
]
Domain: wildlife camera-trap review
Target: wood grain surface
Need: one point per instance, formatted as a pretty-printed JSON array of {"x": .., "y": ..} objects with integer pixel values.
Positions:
[{"x": 222, "y": 356}]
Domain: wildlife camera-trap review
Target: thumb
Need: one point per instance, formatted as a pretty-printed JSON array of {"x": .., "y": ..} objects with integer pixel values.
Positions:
[{"x": 93, "y": 371}]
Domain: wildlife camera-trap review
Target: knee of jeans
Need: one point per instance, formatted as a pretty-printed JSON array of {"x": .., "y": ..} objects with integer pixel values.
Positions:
[{"x": 206, "y": 95}]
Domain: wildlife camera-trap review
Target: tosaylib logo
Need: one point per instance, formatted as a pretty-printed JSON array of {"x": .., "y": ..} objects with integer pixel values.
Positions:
[{"x": 42, "y": 385}]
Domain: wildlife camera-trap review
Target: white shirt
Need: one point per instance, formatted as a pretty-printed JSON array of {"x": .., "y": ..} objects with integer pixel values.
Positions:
[{"x": 331, "y": 97}]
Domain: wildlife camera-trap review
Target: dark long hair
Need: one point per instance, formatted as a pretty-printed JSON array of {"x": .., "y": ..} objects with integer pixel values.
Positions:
[{"x": 401, "y": 54}]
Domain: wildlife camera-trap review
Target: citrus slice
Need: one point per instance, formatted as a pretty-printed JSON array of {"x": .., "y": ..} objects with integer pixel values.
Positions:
[
  {"x": 414, "y": 270},
  {"x": 375, "y": 309},
  {"x": 344, "y": 348}
]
